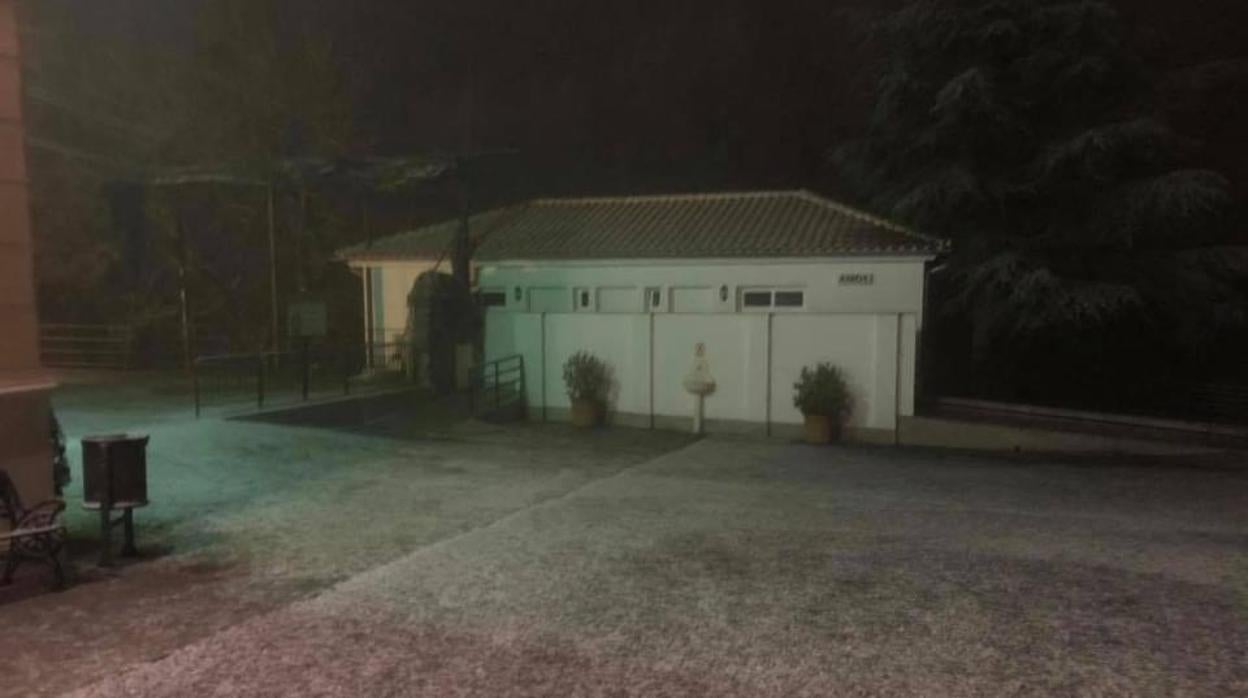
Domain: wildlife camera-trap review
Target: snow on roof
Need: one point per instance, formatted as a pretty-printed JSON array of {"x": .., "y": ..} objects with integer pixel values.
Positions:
[{"x": 691, "y": 226}]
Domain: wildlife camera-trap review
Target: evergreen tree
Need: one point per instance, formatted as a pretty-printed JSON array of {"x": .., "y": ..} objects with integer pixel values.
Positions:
[{"x": 1025, "y": 132}]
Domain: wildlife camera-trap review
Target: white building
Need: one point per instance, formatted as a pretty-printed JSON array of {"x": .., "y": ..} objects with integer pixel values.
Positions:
[{"x": 767, "y": 282}]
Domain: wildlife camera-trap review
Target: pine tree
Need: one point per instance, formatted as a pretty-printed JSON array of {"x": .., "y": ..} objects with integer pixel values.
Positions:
[{"x": 1024, "y": 131}]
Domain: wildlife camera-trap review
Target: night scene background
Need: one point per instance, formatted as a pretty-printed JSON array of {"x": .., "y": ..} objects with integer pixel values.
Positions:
[
  {"x": 385, "y": 330},
  {"x": 1089, "y": 160}
]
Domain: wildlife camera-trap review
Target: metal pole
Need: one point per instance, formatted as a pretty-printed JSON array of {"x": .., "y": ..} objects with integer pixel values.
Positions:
[
  {"x": 306, "y": 370},
  {"x": 461, "y": 255},
  {"x": 127, "y": 548},
  {"x": 195, "y": 385},
  {"x": 497, "y": 396},
  {"x": 260, "y": 381},
  {"x": 106, "y": 507},
  {"x": 303, "y": 231},
  {"x": 344, "y": 361},
  {"x": 183, "y": 299},
  {"x": 524, "y": 390},
  {"x": 274, "y": 332}
]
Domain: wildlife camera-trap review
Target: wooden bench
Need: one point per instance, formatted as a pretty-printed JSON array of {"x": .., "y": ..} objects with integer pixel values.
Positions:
[{"x": 36, "y": 533}]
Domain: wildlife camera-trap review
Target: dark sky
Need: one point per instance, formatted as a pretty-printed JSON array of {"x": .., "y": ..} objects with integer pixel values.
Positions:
[{"x": 647, "y": 94}]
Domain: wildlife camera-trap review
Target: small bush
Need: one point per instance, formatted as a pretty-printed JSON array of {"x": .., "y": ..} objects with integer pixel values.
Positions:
[
  {"x": 822, "y": 391},
  {"x": 60, "y": 463},
  {"x": 586, "y": 377}
]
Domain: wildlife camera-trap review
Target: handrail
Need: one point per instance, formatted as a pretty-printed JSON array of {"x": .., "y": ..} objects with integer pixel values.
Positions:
[
  {"x": 293, "y": 372},
  {"x": 241, "y": 356},
  {"x": 487, "y": 380}
]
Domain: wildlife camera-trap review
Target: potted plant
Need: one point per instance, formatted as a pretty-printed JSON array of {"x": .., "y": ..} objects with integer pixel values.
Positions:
[
  {"x": 587, "y": 380},
  {"x": 823, "y": 397}
]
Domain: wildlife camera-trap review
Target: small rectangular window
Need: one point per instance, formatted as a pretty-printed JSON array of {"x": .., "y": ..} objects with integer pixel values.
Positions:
[
  {"x": 493, "y": 299},
  {"x": 756, "y": 299},
  {"x": 583, "y": 299},
  {"x": 790, "y": 299}
]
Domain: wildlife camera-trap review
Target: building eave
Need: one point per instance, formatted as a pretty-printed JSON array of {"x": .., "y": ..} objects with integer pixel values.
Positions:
[{"x": 865, "y": 257}]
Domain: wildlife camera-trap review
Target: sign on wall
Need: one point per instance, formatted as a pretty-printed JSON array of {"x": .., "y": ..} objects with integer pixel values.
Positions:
[{"x": 857, "y": 279}]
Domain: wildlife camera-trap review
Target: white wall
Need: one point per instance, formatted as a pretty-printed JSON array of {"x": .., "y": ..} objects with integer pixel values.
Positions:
[
  {"x": 870, "y": 330},
  {"x": 694, "y": 286},
  {"x": 859, "y": 344},
  {"x": 736, "y": 353},
  {"x": 387, "y": 299},
  {"x": 755, "y": 359},
  {"x": 396, "y": 282}
]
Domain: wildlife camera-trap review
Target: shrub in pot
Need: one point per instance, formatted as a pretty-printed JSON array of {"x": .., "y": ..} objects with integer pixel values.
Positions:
[
  {"x": 822, "y": 395},
  {"x": 587, "y": 380}
]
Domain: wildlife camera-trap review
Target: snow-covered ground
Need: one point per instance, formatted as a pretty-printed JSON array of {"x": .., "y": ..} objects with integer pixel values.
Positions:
[
  {"x": 490, "y": 561},
  {"x": 249, "y": 515}
]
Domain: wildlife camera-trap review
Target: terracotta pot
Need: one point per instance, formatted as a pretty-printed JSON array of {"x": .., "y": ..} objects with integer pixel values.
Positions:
[
  {"x": 821, "y": 430},
  {"x": 586, "y": 413}
]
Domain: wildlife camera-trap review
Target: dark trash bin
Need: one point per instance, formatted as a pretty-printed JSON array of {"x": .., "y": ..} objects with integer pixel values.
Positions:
[
  {"x": 114, "y": 477},
  {"x": 114, "y": 469}
]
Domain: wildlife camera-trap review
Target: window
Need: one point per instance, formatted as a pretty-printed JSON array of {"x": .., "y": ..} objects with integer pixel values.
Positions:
[
  {"x": 790, "y": 299},
  {"x": 493, "y": 298},
  {"x": 583, "y": 300},
  {"x": 756, "y": 299},
  {"x": 760, "y": 299},
  {"x": 654, "y": 299}
]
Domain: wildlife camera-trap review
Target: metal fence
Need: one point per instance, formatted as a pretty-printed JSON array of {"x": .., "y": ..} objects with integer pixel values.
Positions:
[
  {"x": 268, "y": 377},
  {"x": 86, "y": 346}
]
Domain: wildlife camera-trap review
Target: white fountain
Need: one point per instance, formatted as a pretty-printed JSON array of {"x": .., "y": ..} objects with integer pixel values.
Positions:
[{"x": 699, "y": 383}]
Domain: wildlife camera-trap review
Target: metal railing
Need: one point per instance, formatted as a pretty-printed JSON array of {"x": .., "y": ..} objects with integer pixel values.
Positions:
[
  {"x": 498, "y": 386},
  {"x": 86, "y": 346},
  {"x": 266, "y": 376}
]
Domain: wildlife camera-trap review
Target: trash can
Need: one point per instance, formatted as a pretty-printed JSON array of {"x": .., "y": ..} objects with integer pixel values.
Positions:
[{"x": 114, "y": 470}]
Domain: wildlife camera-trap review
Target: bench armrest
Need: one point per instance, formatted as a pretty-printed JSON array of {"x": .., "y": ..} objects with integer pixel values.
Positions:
[{"x": 43, "y": 515}]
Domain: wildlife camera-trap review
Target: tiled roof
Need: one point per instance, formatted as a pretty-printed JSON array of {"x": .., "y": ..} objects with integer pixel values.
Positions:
[
  {"x": 692, "y": 226},
  {"x": 431, "y": 243}
]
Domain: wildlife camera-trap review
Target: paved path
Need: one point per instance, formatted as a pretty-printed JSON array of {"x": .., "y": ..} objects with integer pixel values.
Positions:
[{"x": 747, "y": 568}]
